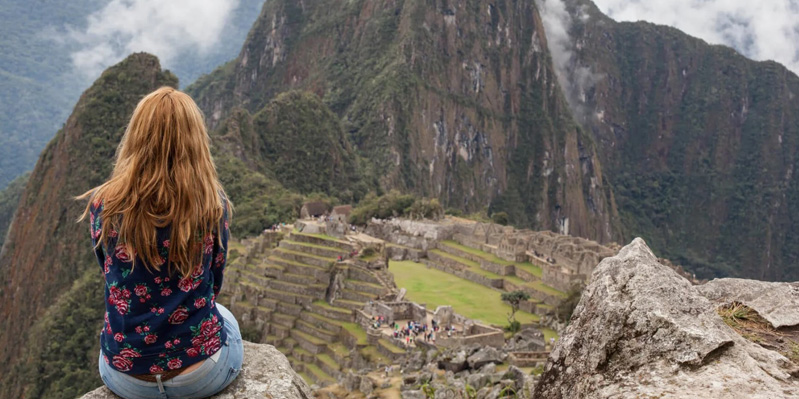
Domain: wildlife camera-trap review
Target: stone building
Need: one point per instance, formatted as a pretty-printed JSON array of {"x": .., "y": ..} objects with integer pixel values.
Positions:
[
  {"x": 313, "y": 209},
  {"x": 341, "y": 213},
  {"x": 513, "y": 247}
]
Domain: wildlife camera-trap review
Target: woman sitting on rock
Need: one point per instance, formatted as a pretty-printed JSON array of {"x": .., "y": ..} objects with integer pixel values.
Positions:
[{"x": 159, "y": 229}]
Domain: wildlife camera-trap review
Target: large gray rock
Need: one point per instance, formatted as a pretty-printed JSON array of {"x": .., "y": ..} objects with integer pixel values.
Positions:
[
  {"x": 776, "y": 302},
  {"x": 453, "y": 362},
  {"x": 641, "y": 330},
  {"x": 266, "y": 373},
  {"x": 485, "y": 356}
]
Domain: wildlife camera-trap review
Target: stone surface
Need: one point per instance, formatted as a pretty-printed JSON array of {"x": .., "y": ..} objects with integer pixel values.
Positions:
[
  {"x": 641, "y": 330},
  {"x": 776, "y": 302},
  {"x": 453, "y": 362},
  {"x": 527, "y": 340},
  {"x": 266, "y": 373},
  {"x": 484, "y": 356}
]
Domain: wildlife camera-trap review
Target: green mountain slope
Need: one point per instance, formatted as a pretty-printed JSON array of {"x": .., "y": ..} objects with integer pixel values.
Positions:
[
  {"x": 9, "y": 198},
  {"x": 456, "y": 101},
  {"x": 46, "y": 252},
  {"x": 38, "y": 83},
  {"x": 700, "y": 144}
]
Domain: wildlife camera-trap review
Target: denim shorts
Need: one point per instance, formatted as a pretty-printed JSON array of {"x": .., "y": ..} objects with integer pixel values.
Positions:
[{"x": 216, "y": 373}]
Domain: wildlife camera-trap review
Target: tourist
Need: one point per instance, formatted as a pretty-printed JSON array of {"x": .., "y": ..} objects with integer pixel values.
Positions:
[{"x": 162, "y": 322}]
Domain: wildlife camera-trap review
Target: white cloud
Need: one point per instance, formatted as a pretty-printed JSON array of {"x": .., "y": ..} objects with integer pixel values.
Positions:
[
  {"x": 761, "y": 30},
  {"x": 164, "y": 28},
  {"x": 574, "y": 79}
]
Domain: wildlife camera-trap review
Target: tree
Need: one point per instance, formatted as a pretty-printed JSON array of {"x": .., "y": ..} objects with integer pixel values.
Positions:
[
  {"x": 500, "y": 218},
  {"x": 514, "y": 299}
]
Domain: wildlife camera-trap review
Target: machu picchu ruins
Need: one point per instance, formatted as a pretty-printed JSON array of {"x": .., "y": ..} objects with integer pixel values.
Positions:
[{"x": 322, "y": 291}]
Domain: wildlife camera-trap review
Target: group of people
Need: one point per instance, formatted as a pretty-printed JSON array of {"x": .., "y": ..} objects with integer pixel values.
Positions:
[
  {"x": 352, "y": 254},
  {"x": 274, "y": 227},
  {"x": 413, "y": 331}
]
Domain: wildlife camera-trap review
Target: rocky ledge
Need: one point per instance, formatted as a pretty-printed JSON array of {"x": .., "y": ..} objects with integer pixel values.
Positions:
[
  {"x": 641, "y": 330},
  {"x": 266, "y": 373}
]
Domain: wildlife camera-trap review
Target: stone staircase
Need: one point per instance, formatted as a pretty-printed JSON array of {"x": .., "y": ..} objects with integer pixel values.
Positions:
[{"x": 281, "y": 294}]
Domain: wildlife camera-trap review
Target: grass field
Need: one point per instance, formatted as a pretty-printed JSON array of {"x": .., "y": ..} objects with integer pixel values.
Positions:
[{"x": 433, "y": 288}]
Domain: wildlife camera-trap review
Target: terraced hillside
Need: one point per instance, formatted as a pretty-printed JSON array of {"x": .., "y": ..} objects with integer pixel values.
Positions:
[
  {"x": 298, "y": 297},
  {"x": 491, "y": 271}
]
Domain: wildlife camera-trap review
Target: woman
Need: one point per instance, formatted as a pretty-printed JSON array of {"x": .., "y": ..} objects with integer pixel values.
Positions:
[{"x": 159, "y": 227}]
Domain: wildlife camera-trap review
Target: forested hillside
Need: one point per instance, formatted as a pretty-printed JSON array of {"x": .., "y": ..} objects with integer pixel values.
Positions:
[
  {"x": 48, "y": 341},
  {"x": 689, "y": 145},
  {"x": 457, "y": 101},
  {"x": 700, "y": 144},
  {"x": 39, "y": 84}
]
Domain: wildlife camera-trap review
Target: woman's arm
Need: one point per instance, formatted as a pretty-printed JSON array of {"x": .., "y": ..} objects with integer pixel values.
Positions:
[
  {"x": 95, "y": 226},
  {"x": 220, "y": 249}
]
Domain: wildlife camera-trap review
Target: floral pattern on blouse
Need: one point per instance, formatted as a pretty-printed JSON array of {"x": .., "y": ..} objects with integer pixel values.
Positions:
[{"x": 155, "y": 321}]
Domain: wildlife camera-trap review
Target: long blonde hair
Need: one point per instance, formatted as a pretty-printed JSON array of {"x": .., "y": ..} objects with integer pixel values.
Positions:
[{"x": 163, "y": 176}]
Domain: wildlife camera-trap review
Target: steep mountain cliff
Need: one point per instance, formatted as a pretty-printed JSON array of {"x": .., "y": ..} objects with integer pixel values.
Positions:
[
  {"x": 456, "y": 100},
  {"x": 700, "y": 144},
  {"x": 48, "y": 335}
]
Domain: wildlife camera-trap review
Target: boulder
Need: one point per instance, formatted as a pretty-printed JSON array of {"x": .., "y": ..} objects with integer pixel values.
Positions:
[
  {"x": 413, "y": 395},
  {"x": 367, "y": 386},
  {"x": 485, "y": 356},
  {"x": 775, "y": 302},
  {"x": 516, "y": 375},
  {"x": 266, "y": 373},
  {"x": 453, "y": 362},
  {"x": 527, "y": 340},
  {"x": 350, "y": 382},
  {"x": 642, "y": 330}
]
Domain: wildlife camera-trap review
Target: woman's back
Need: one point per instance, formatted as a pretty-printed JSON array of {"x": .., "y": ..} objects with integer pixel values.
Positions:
[
  {"x": 159, "y": 230},
  {"x": 159, "y": 320}
]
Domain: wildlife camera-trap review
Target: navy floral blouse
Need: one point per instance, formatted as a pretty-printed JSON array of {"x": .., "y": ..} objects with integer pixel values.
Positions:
[{"x": 155, "y": 321}]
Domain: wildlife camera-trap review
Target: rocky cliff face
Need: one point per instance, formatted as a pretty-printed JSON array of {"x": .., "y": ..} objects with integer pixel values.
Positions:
[
  {"x": 266, "y": 373},
  {"x": 700, "y": 144},
  {"x": 454, "y": 100},
  {"x": 641, "y": 330},
  {"x": 47, "y": 254}
]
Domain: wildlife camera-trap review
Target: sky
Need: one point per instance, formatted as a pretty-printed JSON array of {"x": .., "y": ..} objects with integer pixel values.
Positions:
[
  {"x": 167, "y": 29},
  {"x": 759, "y": 29}
]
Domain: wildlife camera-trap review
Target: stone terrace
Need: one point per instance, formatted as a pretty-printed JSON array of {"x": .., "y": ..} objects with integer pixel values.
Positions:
[
  {"x": 300, "y": 299},
  {"x": 491, "y": 271}
]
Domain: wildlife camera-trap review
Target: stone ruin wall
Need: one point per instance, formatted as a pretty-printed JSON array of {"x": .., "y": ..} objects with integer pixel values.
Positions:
[
  {"x": 574, "y": 257},
  {"x": 416, "y": 234}
]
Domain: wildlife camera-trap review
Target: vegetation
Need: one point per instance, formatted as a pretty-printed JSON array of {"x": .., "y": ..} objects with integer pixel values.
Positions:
[
  {"x": 514, "y": 298},
  {"x": 60, "y": 360},
  {"x": 60, "y": 341},
  {"x": 500, "y": 218},
  {"x": 394, "y": 204},
  {"x": 39, "y": 85},
  {"x": 566, "y": 307},
  {"x": 434, "y": 288},
  {"x": 9, "y": 198}
]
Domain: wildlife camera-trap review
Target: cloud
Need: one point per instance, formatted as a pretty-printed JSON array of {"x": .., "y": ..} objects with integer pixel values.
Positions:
[
  {"x": 574, "y": 79},
  {"x": 761, "y": 30},
  {"x": 164, "y": 28}
]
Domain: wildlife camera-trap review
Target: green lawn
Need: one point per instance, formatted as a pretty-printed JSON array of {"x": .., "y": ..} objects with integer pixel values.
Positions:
[
  {"x": 531, "y": 268},
  {"x": 434, "y": 288}
]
